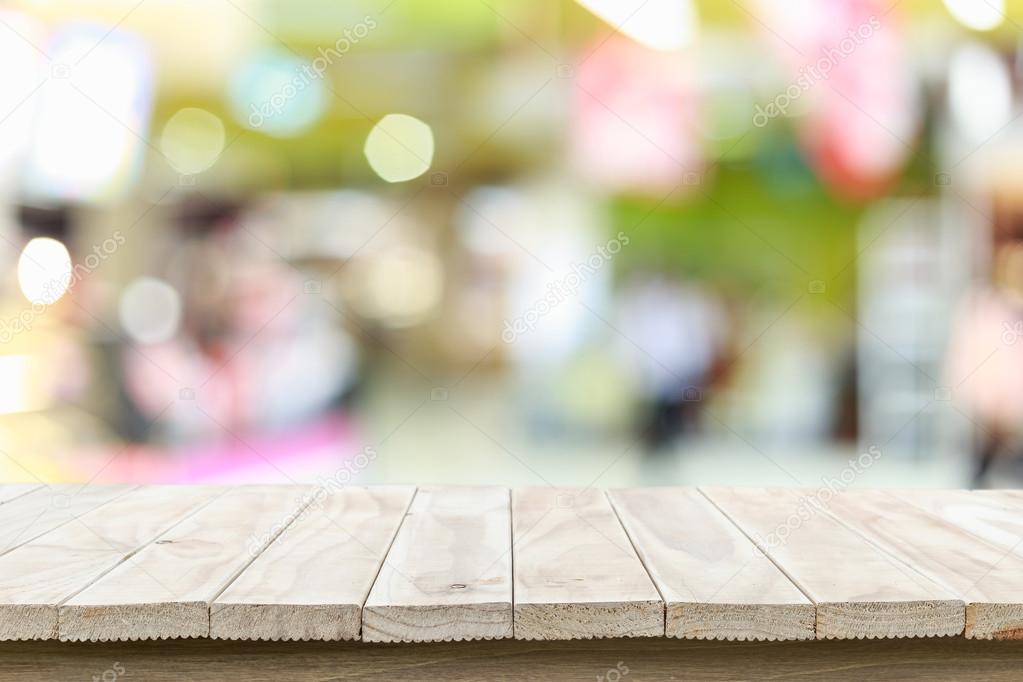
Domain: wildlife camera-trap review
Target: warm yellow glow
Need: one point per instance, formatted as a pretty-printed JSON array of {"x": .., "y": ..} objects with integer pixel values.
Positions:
[
  {"x": 44, "y": 270},
  {"x": 982, "y": 15},
  {"x": 658, "y": 24},
  {"x": 399, "y": 148},
  {"x": 400, "y": 287},
  {"x": 192, "y": 140},
  {"x": 21, "y": 389}
]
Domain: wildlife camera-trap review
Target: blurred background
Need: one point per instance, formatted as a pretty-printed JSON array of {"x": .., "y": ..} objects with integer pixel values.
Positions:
[{"x": 588, "y": 242}]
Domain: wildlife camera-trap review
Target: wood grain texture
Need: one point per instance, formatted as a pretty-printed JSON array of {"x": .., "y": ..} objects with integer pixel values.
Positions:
[
  {"x": 988, "y": 579},
  {"x": 448, "y": 574},
  {"x": 165, "y": 590},
  {"x": 39, "y": 575},
  {"x": 631, "y": 660},
  {"x": 995, "y": 516},
  {"x": 28, "y": 516},
  {"x": 859, "y": 590},
  {"x": 312, "y": 581},
  {"x": 576, "y": 572},
  {"x": 715, "y": 583}
]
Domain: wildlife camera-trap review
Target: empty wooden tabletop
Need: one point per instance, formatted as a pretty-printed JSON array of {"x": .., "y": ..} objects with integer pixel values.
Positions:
[{"x": 400, "y": 564}]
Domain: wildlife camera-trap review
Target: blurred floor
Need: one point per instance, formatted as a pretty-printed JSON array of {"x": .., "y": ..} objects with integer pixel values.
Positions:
[{"x": 471, "y": 437}]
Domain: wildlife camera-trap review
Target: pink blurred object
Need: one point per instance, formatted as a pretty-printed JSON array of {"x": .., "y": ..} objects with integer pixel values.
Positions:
[
  {"x": 302, "y": 454},
  {"x": 985, "y": 361},
  {"x": 848, "y": 58},
  {"x": 635, "y": 112}
]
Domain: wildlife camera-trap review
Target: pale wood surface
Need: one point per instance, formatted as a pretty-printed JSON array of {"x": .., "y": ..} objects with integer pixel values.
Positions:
[
  {"x": 10, "y": 491},
  {"x": 165, "y": 590},
  {"x": 994, "y": 516},
  {"x": 312, "y": 581},
  {"x": 28, "y": 516},
  {"x": 714, "y": 581},
  {"x": 448, "y": 574},
  {"x": 123, "y": 563},
  {"x": 577, "y": 574},
  {"x": 859, "y": 590},
  {"x": 988, "y": 579},
  {"x": 37, "y": 576}
]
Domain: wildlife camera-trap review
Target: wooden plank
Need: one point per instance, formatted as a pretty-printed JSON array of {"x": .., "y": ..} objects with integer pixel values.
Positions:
[
  {"x": 859, "y": 590},
  {"x": 576, "y": 572},
  {"x": 165, "y": 590},
  {"x": 995, "y": 516},
  {"x": 25, "y": 518},
  {"x": 988, "y": 579},
  {"x": 448, "y": 575},
  {"x": 11, "y": 491},
  {"x": 39, "y": 575},
  {"x": 715, "y": 583},
  {"x": 312, "y": 581}
]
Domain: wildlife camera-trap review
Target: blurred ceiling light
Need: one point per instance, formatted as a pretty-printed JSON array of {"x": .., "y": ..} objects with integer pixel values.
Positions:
[
  {"x": 192, "y": 140},
  {"x": 979, "y": 91},
  {"x": 981, "y": 15},
  {"x": 44, "y": 270},
  {"x": 277, "y": 93},
  {"x": 400, "y": 287},
  {"x": 18, "y": 87},
  {"x": 93, "y": 115},
  {"x": 399, "y": 148},
  {"x": 150, "y": 310},
  {"x": 657, "y": 24}
]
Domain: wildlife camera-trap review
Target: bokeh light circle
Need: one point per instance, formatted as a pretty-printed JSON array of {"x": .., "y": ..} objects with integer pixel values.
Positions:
[
  {"x": 150, "y": 310},
  {"x": 399, "y": 148},
  {"x": 192, "y": 140},
  {"x": 44, "y": 270},
  {"x": 277, "y": 93}
]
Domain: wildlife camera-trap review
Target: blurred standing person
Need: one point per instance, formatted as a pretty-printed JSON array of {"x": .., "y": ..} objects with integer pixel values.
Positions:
[
  {"x": 985, "y": 361},
  {"x": 673, "y": 335}
]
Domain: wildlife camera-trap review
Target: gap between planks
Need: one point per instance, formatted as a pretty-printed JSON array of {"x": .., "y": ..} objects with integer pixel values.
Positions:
[
  {"x": 544, "y": 540},
  {"x": 878, "y": 596},
  {"x": 715, "y": 582}
]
